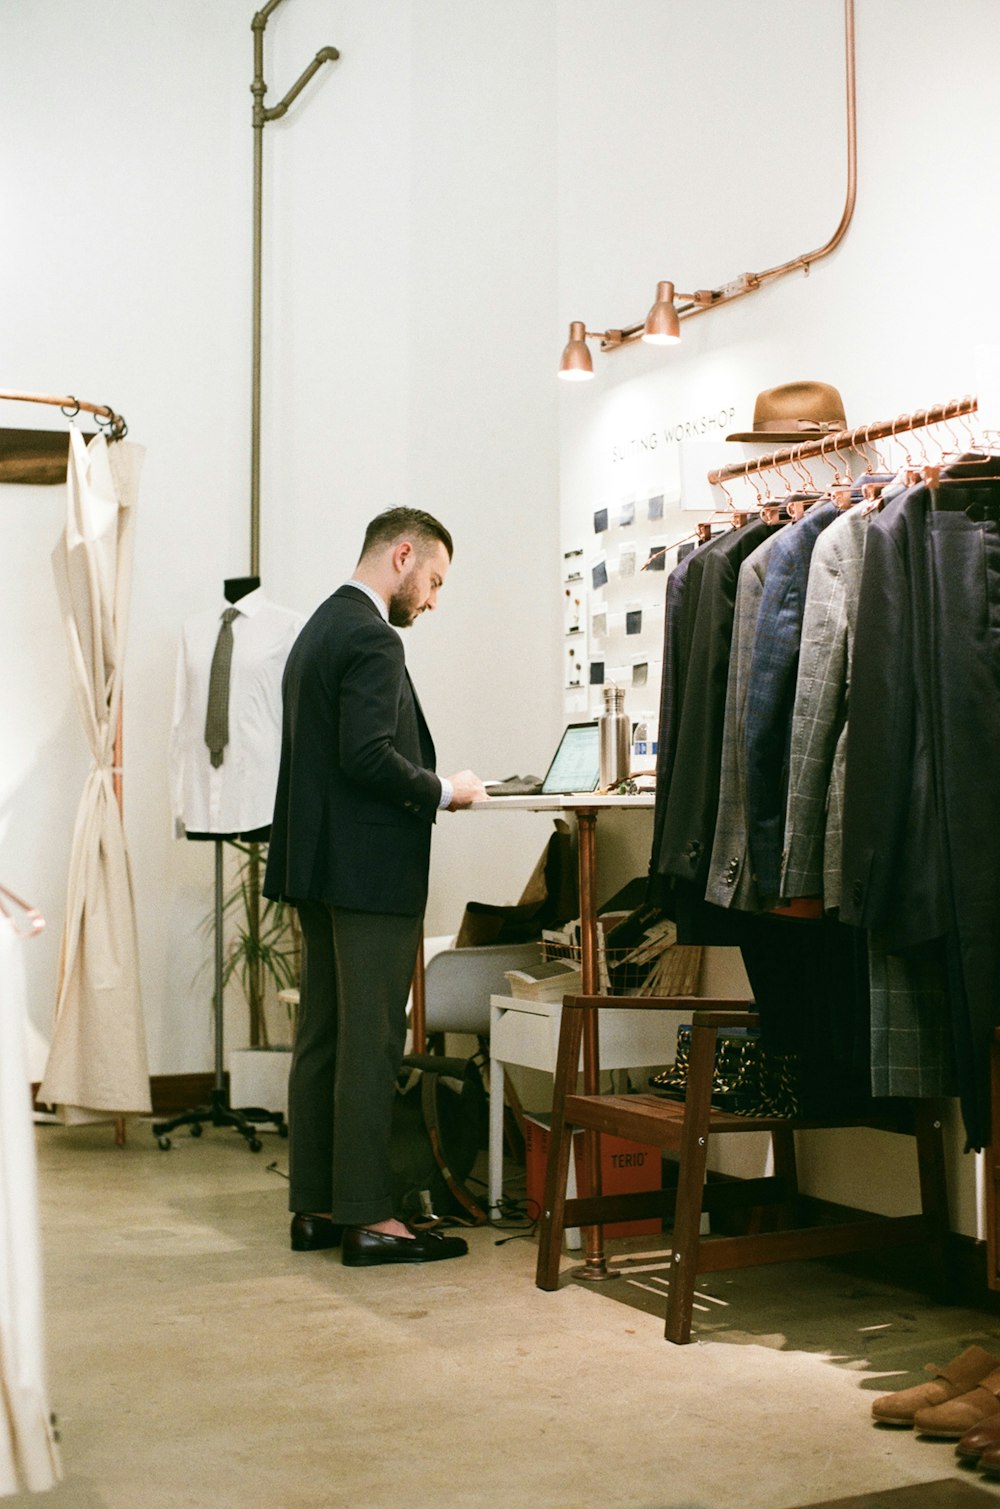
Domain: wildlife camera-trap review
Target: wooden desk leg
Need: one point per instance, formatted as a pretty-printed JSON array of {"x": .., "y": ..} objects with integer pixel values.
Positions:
[
  {"x": 595, "y": 1268},
  {"x": 418, "y": 1013}
]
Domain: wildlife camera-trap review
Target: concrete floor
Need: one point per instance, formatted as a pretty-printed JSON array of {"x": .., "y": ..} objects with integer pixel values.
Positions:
[{"x": 198, "y": 1363}]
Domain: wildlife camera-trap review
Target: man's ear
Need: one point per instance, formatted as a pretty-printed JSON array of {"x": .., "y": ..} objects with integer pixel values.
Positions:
[{"x": 402, "y": 554}]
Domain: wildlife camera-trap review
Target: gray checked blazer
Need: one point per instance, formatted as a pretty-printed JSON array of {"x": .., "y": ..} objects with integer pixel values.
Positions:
[
  {"x": 730, "y": 883},
  {"x": 813, "y": 815},
  {"x": 910, "y": 1039}
]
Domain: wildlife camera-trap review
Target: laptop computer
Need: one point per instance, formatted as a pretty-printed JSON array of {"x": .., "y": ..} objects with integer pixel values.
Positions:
[{"x": 575, "y": 767}]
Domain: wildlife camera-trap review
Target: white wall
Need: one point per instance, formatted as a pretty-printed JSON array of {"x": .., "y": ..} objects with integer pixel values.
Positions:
[
  {"x": 698, "y": 142},
  {"x": 440, "y": 204},
  {"x": 409, "y": 283}
]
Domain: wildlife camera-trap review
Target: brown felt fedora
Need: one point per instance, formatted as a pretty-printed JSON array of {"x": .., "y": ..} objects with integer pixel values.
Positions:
[{"x": 795, "y": 411}]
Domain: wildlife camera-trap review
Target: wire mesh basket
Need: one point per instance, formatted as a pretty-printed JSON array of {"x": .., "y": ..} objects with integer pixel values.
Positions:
[{"x": 637, "y": 954}]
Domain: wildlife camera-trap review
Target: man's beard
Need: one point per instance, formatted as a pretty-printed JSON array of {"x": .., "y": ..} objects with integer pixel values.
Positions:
[{"x": 403, "y": 609}]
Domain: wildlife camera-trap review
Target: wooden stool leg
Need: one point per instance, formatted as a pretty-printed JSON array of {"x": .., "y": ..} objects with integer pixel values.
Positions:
[
  {"x": 690, "y": 1186},
  {"x": 991, "y": 1168},
  {"x": 560, "y": 1143},
  {"x": 933, "y": 1188},
  {"x": 785, "y": 1169}
]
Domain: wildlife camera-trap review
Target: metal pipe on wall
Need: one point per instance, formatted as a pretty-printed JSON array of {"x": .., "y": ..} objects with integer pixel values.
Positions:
[{"x": 261, "y": 115}]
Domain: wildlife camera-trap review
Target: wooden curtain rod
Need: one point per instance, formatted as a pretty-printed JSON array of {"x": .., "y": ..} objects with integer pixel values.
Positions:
[
  {"x": 883, "y": 429},
  {"x": 106, "y": 417}
]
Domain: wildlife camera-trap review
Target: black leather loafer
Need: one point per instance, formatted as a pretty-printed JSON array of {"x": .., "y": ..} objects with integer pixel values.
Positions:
[
  {"x": 314, "y": 1233},
  {"x": 367, "y": 1249}
]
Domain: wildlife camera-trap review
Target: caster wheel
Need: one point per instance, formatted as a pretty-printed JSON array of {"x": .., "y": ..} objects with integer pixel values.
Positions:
[
  {"x": 164, "y": 1143},
  {"x": 196, "y": 1130},
  {"x": 255, "y": 1144},
  {"x": 283, "y": 1129}
]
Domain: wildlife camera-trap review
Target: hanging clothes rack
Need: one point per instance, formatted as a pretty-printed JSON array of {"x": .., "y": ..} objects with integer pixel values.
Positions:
[
  {"x": 105, "y": 415},
  {"x": 39, "y": 456},
  {"x": 843, "y": 440}
]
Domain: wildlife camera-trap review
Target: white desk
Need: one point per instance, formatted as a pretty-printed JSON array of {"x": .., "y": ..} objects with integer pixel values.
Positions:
[
  {"x": 527, "y": 1033},
  {"x": 585, "y": 807}
]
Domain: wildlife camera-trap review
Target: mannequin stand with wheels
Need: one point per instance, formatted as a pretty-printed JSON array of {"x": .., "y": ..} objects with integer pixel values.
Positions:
[
  {"x": 224, "y": 764},
  {"x": 219, "y": 1113}
]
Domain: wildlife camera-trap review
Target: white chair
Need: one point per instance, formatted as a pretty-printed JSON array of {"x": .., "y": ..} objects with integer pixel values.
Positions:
[{"x": 460, "y": 981}]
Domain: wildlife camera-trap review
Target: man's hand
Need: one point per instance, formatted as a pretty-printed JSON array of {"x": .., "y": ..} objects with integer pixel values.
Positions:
[{"x": 466, "y": 788}]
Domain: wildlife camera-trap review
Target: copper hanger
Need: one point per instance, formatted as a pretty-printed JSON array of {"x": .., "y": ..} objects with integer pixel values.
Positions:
[{"x": 25, "y": 919}]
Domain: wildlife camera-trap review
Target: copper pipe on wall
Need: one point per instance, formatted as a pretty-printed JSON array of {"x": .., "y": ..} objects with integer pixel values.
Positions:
[
  {"x": 750, "y": 282},
  {"x": 261, "y": 115},
  {"x": 846, "y": 439}
]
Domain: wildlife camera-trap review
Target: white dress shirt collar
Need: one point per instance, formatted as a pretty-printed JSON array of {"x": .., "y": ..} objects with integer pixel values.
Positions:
[
  {"x": 250, "y": 604},
  {"x": 370, "y": 592}
]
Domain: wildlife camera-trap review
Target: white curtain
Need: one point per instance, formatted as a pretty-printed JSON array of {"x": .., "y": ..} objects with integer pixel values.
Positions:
[
  {"x": 29, "y": 1457},
  {"x": 97, "y": 1065}
]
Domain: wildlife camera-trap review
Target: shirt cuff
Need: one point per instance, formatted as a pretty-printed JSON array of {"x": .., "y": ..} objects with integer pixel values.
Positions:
[{"x": 446, "y": 793}]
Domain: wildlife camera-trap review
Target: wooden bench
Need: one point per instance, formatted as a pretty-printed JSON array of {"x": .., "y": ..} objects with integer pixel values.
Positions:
[{"x": 682, "y": 1130}]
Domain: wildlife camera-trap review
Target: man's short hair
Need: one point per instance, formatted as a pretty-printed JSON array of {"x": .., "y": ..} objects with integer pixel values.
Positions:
[{"x": 395, "y": 523}]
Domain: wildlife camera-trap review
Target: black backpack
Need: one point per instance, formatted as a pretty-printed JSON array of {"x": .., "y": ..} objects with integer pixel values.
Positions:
[{"x": 439, "y": 1124}]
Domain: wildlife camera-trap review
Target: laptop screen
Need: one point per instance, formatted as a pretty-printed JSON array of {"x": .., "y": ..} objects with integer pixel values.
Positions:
[{"x": 576, "y": 765}]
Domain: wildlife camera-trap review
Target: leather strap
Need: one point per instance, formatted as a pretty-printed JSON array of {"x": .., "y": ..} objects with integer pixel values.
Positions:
[{"x": 429, "y": 1106}]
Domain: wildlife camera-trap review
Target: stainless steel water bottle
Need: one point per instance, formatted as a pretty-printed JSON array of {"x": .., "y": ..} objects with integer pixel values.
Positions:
[{"x": 614, "y": 737}]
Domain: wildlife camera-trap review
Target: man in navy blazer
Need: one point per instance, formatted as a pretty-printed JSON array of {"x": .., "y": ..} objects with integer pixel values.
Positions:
[{"x": 350, "y": 848}]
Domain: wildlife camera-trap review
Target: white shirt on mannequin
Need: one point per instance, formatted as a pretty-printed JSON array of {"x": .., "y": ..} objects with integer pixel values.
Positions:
[{"x": 238, "y": 795}]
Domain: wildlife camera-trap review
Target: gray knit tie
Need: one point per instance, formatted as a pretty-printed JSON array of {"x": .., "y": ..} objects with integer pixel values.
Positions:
[{"x": 217, "y": 718}]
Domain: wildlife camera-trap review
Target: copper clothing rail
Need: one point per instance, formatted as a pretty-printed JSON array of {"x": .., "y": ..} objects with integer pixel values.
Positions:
[
  {"x": 104, "y": 413},
  {"x": 847, "y": 439}
]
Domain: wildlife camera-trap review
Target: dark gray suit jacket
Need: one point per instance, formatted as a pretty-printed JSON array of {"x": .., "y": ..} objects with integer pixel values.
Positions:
[
  {"x": 686, "y": 806},
  {"x": 893, "y": 875},
  {"x": 357, "y": 793}
]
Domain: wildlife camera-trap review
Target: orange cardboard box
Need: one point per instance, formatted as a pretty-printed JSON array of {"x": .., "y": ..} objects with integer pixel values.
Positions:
[{"x": 625, "y": 1167}]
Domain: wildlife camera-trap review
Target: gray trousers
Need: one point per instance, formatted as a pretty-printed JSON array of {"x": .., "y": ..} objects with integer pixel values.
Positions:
[{"x": 351, "y": 1034}]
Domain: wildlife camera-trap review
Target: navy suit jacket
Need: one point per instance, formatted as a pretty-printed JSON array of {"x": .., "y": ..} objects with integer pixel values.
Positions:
[
  {"x": 770, "y": 698},
  {"x": 357, "y": 793}
]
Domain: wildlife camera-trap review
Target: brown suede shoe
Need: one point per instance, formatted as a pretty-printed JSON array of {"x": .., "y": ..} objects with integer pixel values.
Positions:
[
  {"x": 961, "y": 1414},
  {"x": 979, "y": 1439},
  {"x": 957, "y": 1377}
]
